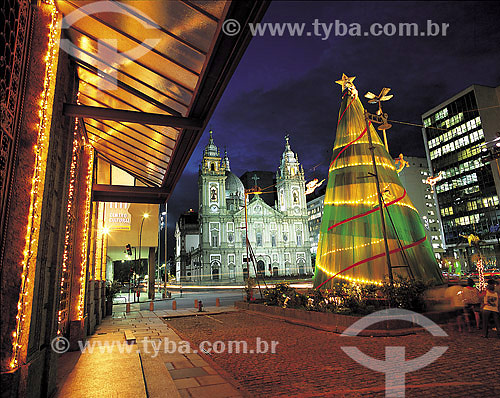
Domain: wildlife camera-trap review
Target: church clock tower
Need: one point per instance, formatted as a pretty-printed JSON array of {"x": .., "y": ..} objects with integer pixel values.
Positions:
[
  {"x": 290, "y": 183},
  {"x": 211, "y": 182}
]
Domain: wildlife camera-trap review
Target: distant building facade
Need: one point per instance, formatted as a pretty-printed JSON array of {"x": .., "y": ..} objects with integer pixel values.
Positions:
[
  {"x": 457, "y": 133},
  {"x": 314, "y": 214},
  {"x": 279, "y": 236},
  {"x": 187, "y": 244},
  {"x": 414, "y": 179}
]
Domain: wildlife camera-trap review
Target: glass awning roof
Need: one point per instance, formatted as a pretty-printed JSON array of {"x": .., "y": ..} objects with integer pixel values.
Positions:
[{"x": 148, "y": 57}]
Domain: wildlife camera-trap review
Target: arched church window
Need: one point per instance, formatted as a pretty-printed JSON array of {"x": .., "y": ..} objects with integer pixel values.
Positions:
[
  {"x": 295, "y": 197},
  {"x": 259, "y": 239},
  {"x": 212, "y": 167},
  {"x": 299, "y": 238}
]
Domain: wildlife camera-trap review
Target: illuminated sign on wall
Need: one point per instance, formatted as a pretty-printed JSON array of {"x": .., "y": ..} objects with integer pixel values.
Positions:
[{"x": 117, "y": 216}]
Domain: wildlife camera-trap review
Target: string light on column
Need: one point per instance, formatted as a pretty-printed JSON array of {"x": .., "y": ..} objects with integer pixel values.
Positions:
[
  {"x": 85, "y": 232},
  {"x": 36, "y": 195},
  {"x": 69, "y": 218}
]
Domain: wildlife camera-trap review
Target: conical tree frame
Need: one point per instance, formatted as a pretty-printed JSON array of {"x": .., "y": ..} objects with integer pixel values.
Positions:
[{"x": 351, "y": 244}]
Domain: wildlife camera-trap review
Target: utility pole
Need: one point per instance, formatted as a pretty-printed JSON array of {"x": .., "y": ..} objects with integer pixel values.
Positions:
[
  {"x": 379, "y": 195},
  {"x": 247, "y": 242}
]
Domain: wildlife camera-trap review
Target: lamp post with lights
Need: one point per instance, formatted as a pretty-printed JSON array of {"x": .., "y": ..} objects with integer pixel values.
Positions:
[{"x": 144, "y": 217}]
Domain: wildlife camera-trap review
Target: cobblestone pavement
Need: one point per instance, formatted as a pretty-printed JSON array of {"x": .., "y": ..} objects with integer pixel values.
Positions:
[{"x": 310, "y": 363}]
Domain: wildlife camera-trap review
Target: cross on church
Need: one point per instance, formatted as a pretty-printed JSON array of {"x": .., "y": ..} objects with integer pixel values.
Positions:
[{"x": 255, "y": 178}]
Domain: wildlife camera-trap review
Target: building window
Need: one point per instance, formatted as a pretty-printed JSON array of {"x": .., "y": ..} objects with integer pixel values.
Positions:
[
  {"x": 299, "y": 238},
  {"x": 273, "y": 240},
  {"x": 258, "y": 237},
  {"x": 215, "y": 240}
]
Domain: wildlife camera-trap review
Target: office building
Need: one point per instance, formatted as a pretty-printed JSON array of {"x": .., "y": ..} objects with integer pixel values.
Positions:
[{"x": 458, "y": 133}]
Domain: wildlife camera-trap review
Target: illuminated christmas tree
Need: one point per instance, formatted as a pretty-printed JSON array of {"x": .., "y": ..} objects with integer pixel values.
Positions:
[{"x": 351, "y": 243}]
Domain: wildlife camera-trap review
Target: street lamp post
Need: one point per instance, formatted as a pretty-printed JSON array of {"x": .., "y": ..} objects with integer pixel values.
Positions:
[
  {"x": 131, "y": 277},
  {"x": 144, "y": 216}
]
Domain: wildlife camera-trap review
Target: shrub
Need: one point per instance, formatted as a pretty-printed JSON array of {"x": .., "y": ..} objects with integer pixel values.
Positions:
[
  {"x": 351, "y": 298},
  {"x": 284, "y": 296},
  {"x": 249, "y": 285},
  {"x": 112, "y": 290},
  {"x": 406, "y": 293}
]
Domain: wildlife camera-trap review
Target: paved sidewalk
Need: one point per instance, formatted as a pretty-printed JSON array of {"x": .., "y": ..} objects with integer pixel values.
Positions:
[{"x": 116, "y": 369}]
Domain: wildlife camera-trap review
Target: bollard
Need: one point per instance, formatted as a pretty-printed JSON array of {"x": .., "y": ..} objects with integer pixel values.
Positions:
[
  {"x": 151, "y": 306},
  {"x": 127, "y": 307},
  {"x": 217, "y": 302},
  {"x": 195, "y": 303},
  {"x": 174, "y": 305}
]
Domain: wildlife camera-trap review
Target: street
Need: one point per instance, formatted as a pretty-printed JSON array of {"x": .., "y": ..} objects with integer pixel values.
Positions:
[
  {"x": 208, "y": 297},
  {"x": 310, "y": 363}
]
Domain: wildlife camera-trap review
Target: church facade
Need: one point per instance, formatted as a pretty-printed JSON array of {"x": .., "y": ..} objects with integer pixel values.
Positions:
[{"x": 278, "y": 235}]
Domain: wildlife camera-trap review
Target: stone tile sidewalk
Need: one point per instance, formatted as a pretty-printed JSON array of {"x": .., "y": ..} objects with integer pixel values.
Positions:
[{"x": 150, "y": 368}]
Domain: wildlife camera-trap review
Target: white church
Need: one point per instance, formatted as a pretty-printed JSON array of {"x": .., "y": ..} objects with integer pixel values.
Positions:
[{"x": 211, "y": 243}]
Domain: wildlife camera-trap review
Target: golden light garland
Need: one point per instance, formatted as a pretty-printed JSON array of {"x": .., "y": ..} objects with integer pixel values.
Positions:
[
  {"x": 37, "y": 182},
  {"x": 349, "y": 278},
  {"x": 480, "y": 269},
  {"x": 69, "y": 208},
  {"x": 350, "y": 137},
  {"x": 371, "y": 204},
  {"x": 86, "y": 224},
  {"x": 385, "y": 165},
  {"x": 352, "y": 248},
  {"x": 363, "y": 199}
]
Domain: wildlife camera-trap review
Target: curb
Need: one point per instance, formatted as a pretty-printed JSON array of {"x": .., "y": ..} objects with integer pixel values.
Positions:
[{"x": 330, "y": 322}]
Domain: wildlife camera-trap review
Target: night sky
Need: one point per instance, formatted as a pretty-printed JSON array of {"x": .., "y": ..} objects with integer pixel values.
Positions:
[{"x": 286, "y": 85}]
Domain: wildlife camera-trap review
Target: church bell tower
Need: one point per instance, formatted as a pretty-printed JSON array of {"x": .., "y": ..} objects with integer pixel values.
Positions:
[
  {"x": 290, "y": 183},
  {"x": 211, "y": 182}
]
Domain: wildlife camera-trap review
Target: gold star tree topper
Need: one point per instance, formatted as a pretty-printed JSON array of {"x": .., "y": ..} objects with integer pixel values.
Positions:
[{"x": 346, "y": 82}]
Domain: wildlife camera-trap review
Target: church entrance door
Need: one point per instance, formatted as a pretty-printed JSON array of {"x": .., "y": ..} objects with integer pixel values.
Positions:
[
  {"x": 301, "y": 268},
  {"x": 261, "y": 268}
]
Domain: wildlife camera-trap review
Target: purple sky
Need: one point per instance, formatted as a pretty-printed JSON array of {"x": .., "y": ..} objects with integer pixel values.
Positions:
[{"x": 286, "y": 85}]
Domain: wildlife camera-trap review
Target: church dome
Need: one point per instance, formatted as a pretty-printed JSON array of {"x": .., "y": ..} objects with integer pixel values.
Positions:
[{"x": 234, "y": 186}]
